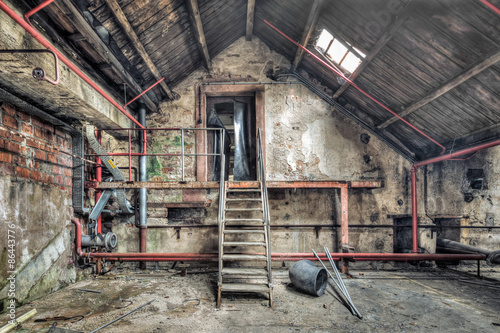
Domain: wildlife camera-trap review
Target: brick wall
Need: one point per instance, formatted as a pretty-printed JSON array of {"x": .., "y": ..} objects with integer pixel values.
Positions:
[{"x": 34, "y": 149}]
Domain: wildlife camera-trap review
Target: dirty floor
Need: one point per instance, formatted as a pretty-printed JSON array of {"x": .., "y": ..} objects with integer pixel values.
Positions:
[{"x": 437, "y": 300}]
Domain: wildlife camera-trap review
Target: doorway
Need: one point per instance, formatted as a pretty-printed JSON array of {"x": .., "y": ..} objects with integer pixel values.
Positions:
[{"x": 236, "y": 114}]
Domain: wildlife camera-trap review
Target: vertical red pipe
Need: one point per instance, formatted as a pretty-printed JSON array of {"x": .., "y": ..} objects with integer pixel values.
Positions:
[
  {"x": 344, "y": 226},
  {"x": 414, "y": 218},
  {"x": 98, "y": 176},
  {"x": 129, "y": 156}
]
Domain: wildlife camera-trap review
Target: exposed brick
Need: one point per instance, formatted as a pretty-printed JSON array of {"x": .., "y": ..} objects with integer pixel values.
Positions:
[
  {"x": 39, "y": 133},
  {"x": 52, "y": 158},
  {"x": 57, "y": 170},
  {"x": 59, "y": 180},
  {"x": 69, "y": 144},
  {"x": 9, "y": 109},
  {"x": 60, "y": 133},
  {"x": 49, "y": 136},
  {"x": 40, "y": 155},
  {"x": 65, "y": 161},
  {"x": 60, "y": 142},
  {"x": 22, "y": 172},
  {"x": 27, "y": 128},
  {"x": 23, "y": 116},
  {"x": 36, "y": 122},
  {"x": 49, "y": 179},
  {"x": 36, "y": 175},
  {"x": 34, "y": 165},
  {"x": 32, "y": 143},
  {"x": 13, "y": 147},
  {"x": 2, "y": 143},
  {"x": 67, "y": 172},
  {"x": 68, "y": 181},
  {"x": 4, "y": 134},
  {"x": 7, "y": 169},
  {"x": 48, "y": 127},
  {"x": 5, "y": 157},
  {"x": 16, "y": 138},
  {"x": 25, "y": 151},
  {"x": 19, "y": 160},
  {"x": 44, "y": 147},
  {"x": 10, "y": 121}
]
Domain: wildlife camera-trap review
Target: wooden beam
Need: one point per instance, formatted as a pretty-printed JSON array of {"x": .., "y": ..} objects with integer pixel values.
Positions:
[
  {"x": 87, "y": 32},
  {"x": 194, "y": 12},
  {"x": 386, "y": 37},
  {"x": 250, "y": 17},
  {"x": 308, "y": 29},
  {"x": 474, "y": 69},
  {"x": 132, "y": 36}
]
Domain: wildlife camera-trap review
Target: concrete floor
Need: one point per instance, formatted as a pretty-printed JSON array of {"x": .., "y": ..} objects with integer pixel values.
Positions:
[{"x": 436, "y": 300}]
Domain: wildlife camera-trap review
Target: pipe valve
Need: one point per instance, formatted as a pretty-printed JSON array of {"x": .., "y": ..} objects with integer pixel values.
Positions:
[{"x": 109, "y": 241}]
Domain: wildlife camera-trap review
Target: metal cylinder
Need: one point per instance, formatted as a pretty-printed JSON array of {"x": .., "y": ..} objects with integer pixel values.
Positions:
[
  {"x": 309, "y": 278},
  {"x": 143, "y": 193},
  {"x": 109, "y": 241}
]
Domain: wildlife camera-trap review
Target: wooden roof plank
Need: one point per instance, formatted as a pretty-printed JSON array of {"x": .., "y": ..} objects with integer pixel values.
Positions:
[
  {"x": 308, "y": 30},
  {"x": 194, "y": 12},
  {"x": 386, "y": 37},
  {"x": 129, "y": 31},
  {"x": 250, "y": 18},
  {"x": 474, "y": 69}
]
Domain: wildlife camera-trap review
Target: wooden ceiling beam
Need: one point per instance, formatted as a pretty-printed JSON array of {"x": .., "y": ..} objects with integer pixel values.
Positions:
[
  {"x": 477, "y": 67},
  {"x": 134, "y": 39},
  {"x": 386, "y": 37},
  {"x": 87, "y": 32},
  {"x": 308, "y": 30},
  {"x": 194, "y": 12},
  {"x": 250, "y": 17}
]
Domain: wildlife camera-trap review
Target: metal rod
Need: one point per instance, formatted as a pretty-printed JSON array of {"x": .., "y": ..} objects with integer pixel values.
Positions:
[
  {"x": 145, "y": 91},
  {"x": 39, "y": 73},
  {"x": 98, "y": 172},
  {"x": 126, "y": 314},
  {"x": 182, "y": 152},
  {"x": 143, "y": 193},
  {"x": 129, "y": 156}
]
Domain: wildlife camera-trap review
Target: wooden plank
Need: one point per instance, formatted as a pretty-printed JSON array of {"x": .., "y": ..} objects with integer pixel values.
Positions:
[
  {"x": 129, "y": 31},
  {"x": 308, "y": 30},
  {"x": 250, "y": 17},
  {"x": 104, "y": 52},
  {"x": 474, "y": 69},
  {"x": 198, "y": 31},
  {"x": 386, "y": 37}
]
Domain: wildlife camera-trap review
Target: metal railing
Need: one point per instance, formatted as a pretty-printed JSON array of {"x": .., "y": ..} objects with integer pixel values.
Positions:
[
  {"x": 265, "y": 202},
  {"x": 182, "y": 152}
]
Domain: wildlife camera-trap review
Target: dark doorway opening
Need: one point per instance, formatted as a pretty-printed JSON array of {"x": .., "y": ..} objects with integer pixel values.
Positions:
[{"x": 237, "y": 116}]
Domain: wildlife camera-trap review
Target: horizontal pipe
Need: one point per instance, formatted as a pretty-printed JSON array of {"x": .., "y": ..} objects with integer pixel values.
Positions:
[
  {"x": 309, "y": 256},
  {"x": 246, "y": 83},
  {"x": 458, "y": 153},
  {"x": 370, "y": 226}
]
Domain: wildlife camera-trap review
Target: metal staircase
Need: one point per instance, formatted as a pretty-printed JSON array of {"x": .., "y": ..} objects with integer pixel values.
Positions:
[{"x": 244, "y": 237}]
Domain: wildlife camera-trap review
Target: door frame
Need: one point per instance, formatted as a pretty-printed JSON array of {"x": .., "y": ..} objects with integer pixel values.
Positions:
[{"x": 219, "y": 90}]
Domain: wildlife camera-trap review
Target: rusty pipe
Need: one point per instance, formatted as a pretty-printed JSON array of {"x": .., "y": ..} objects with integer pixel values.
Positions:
[{"x": 78, "y": 236}]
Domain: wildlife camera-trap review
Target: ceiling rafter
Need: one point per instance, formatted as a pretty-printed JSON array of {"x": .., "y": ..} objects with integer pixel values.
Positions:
[
  {"x": 87, "y": 33},
  {"x": 250, "y": 18},
  {"x": 194, "y": 12},
  {"x": 134, "y": 39},
  {"x": 475, "y": 68},
  {"x": 308, "y": 30},
  {"x": 386, "y": 37}
]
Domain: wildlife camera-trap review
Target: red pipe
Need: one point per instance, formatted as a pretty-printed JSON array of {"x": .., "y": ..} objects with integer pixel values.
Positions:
[
  {"x": 491, "y": 6},
  {"x": 356, "y": 86},
  {"x": 33, "y": 32},
  {"x": 78, "y": 236},
  {"x": 36, "y": 9}
]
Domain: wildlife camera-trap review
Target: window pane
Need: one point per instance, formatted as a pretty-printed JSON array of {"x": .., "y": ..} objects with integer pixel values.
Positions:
[
  {"x": 351, "y": 62},
  {"x": 324, "y": 40},
  {"x": 337, "y": 51}
]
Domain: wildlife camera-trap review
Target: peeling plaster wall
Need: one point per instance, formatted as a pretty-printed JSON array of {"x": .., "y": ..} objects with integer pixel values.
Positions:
[
  {"x": 43, "y": 239},
  {"x": 449, "y": 186}
]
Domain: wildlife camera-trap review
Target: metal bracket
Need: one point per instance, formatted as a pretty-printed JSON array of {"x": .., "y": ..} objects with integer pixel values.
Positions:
[
  {"x": 39, "y": 73},
  {"x": 99, "y": 206}
]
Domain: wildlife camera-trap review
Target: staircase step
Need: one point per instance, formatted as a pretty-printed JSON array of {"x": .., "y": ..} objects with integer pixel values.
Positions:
[
  {"x": 242, "y": 257},
  {"x": 244, "y": 190},
  {"x": 244, "y": 271},
  {"x": 245, "y": 199},
  {"x": 243, "y": 220},
  {"x": 245, "y": 287},
  {"x": 244, "y": 231},
  {"x": 244, "y": 244},
  {"x": 243, "y": 209}
]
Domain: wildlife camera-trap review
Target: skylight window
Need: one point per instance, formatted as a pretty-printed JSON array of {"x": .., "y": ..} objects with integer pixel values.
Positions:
[{"x": 339, "y": 51}]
